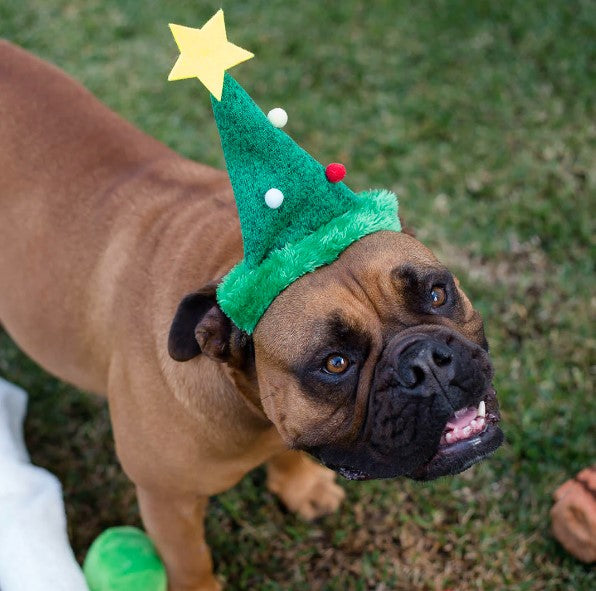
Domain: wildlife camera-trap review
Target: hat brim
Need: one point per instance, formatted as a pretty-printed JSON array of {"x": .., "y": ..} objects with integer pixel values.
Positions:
[{"x": 245, "y": 293}]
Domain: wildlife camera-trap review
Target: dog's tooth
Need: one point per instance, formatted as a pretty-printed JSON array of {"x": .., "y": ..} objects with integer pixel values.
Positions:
[
  {"x": 482, "y": 409},
  {"x": 448, "y": 437},
  {"x": 467, "y": 430},
  {"x": 474, "y": 424}
]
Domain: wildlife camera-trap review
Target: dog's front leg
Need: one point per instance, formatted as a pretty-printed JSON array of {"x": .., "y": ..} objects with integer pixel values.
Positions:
[
  {"x": 175, "y": 523},
  {"x": 303, "y": 485}
]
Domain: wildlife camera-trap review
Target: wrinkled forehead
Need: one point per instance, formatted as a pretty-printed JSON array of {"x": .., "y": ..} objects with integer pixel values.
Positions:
[{"x": 358, "y": 292}]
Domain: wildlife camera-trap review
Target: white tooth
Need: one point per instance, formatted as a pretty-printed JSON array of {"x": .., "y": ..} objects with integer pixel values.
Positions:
[
  {"x": 481, "y": 422},
  {"x": 474, "y": 424},
  {"x": 482, "y": 409},
  {"x": 467, "y": 431},
  {"x": 455, "y": 431},
  {"x": 448, "y": 437}
]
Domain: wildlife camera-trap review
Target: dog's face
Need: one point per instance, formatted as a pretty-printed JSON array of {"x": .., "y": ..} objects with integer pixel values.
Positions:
[{"x": 376, "y": 364}]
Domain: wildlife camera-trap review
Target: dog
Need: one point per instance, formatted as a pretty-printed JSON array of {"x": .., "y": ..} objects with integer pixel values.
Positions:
[{"x": 112, "y": 247}]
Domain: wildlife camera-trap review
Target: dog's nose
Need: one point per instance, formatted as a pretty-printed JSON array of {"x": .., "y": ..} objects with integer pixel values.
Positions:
[{"x": 424, "y": 363}]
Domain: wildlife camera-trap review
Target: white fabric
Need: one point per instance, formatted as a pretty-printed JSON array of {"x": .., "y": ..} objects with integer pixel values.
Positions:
[{"x": 35, "y": 554}]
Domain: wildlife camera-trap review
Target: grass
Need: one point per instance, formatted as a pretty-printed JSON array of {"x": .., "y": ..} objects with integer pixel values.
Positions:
[{"x": 480, "y": 116}]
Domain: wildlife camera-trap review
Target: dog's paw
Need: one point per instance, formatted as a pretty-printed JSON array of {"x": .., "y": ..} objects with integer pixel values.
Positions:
[
  {"x": 308, "y": 489},
  {"x": 322, "y": 498}
]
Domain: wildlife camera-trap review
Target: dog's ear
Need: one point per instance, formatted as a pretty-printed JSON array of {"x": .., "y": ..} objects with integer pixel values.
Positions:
[
  {"x": 406, "y": 229},
  {"x": 199, "y": 326}
]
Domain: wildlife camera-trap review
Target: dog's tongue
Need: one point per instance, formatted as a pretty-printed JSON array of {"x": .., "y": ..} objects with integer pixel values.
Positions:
[{"x": 462, "y": 418}]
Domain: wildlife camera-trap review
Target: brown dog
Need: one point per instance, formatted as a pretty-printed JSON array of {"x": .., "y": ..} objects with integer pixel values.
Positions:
[{"x": 111, "y": 248}]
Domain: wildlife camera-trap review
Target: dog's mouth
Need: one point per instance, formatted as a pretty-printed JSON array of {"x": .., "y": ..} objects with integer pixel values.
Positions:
[
  {"x": 470, "y": 435},
  {"x": 465, "y": 424}
]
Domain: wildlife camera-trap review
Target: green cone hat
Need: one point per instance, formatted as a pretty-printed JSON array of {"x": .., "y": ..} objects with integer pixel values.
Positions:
[{"x": 293, "y": 218}]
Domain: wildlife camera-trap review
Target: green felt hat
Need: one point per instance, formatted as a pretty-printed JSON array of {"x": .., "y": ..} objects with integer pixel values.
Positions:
[{"x": 295, "y": 214}]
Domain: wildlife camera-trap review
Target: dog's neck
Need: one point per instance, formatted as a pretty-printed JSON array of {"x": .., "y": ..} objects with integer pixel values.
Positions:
[{"x": 248, "y": 390}]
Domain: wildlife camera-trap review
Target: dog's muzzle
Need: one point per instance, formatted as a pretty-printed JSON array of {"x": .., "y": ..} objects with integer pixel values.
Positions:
[{"x": 432, "y": 410}]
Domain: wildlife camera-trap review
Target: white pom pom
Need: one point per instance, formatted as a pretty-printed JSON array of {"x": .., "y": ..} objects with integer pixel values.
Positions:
[
  {"x": 278, "y": 117},
  {"x": 274, "y": 198}
]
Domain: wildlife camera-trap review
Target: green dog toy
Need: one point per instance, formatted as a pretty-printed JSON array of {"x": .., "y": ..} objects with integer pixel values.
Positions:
[{"x": 124, "y": 559}]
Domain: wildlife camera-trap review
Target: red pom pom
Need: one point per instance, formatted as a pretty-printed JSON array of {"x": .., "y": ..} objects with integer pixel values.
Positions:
[{"x": 335, "y": 172}]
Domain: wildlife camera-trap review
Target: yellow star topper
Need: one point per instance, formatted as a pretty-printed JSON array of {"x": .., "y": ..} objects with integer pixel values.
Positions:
[{"x": 206, "y": 53}]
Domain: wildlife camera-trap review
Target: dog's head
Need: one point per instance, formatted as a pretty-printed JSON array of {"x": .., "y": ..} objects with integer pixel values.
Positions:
[{"x": 376, "y": 364}]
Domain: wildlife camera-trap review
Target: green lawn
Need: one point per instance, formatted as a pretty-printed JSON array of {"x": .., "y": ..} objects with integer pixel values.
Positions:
[{"x": 480, "y": 115}]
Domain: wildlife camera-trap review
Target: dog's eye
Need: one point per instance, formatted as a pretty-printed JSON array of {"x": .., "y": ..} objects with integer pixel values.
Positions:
[
  {"x": 438, "y": 296},
  {"x": 336, "y": 364}
]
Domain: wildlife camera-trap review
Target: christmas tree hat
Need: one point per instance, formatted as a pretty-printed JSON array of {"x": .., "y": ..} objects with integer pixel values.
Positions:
[{"x": 295, "y": 214}]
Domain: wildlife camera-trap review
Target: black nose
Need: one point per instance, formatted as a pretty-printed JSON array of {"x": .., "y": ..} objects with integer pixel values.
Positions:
[{"x": 423, "y": 364}]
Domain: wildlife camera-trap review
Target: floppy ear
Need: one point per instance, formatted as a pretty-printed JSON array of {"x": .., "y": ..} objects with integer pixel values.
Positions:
[
  {"x": 406, "y": 229},
  {"x": 199, "y": 326}
]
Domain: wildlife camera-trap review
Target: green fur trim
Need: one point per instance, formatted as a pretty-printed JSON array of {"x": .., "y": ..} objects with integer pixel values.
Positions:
[{"x": 246, "y": 293}]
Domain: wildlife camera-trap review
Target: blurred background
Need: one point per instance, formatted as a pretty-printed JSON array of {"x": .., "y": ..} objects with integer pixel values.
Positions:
[{"x": 480, "y": 116}]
